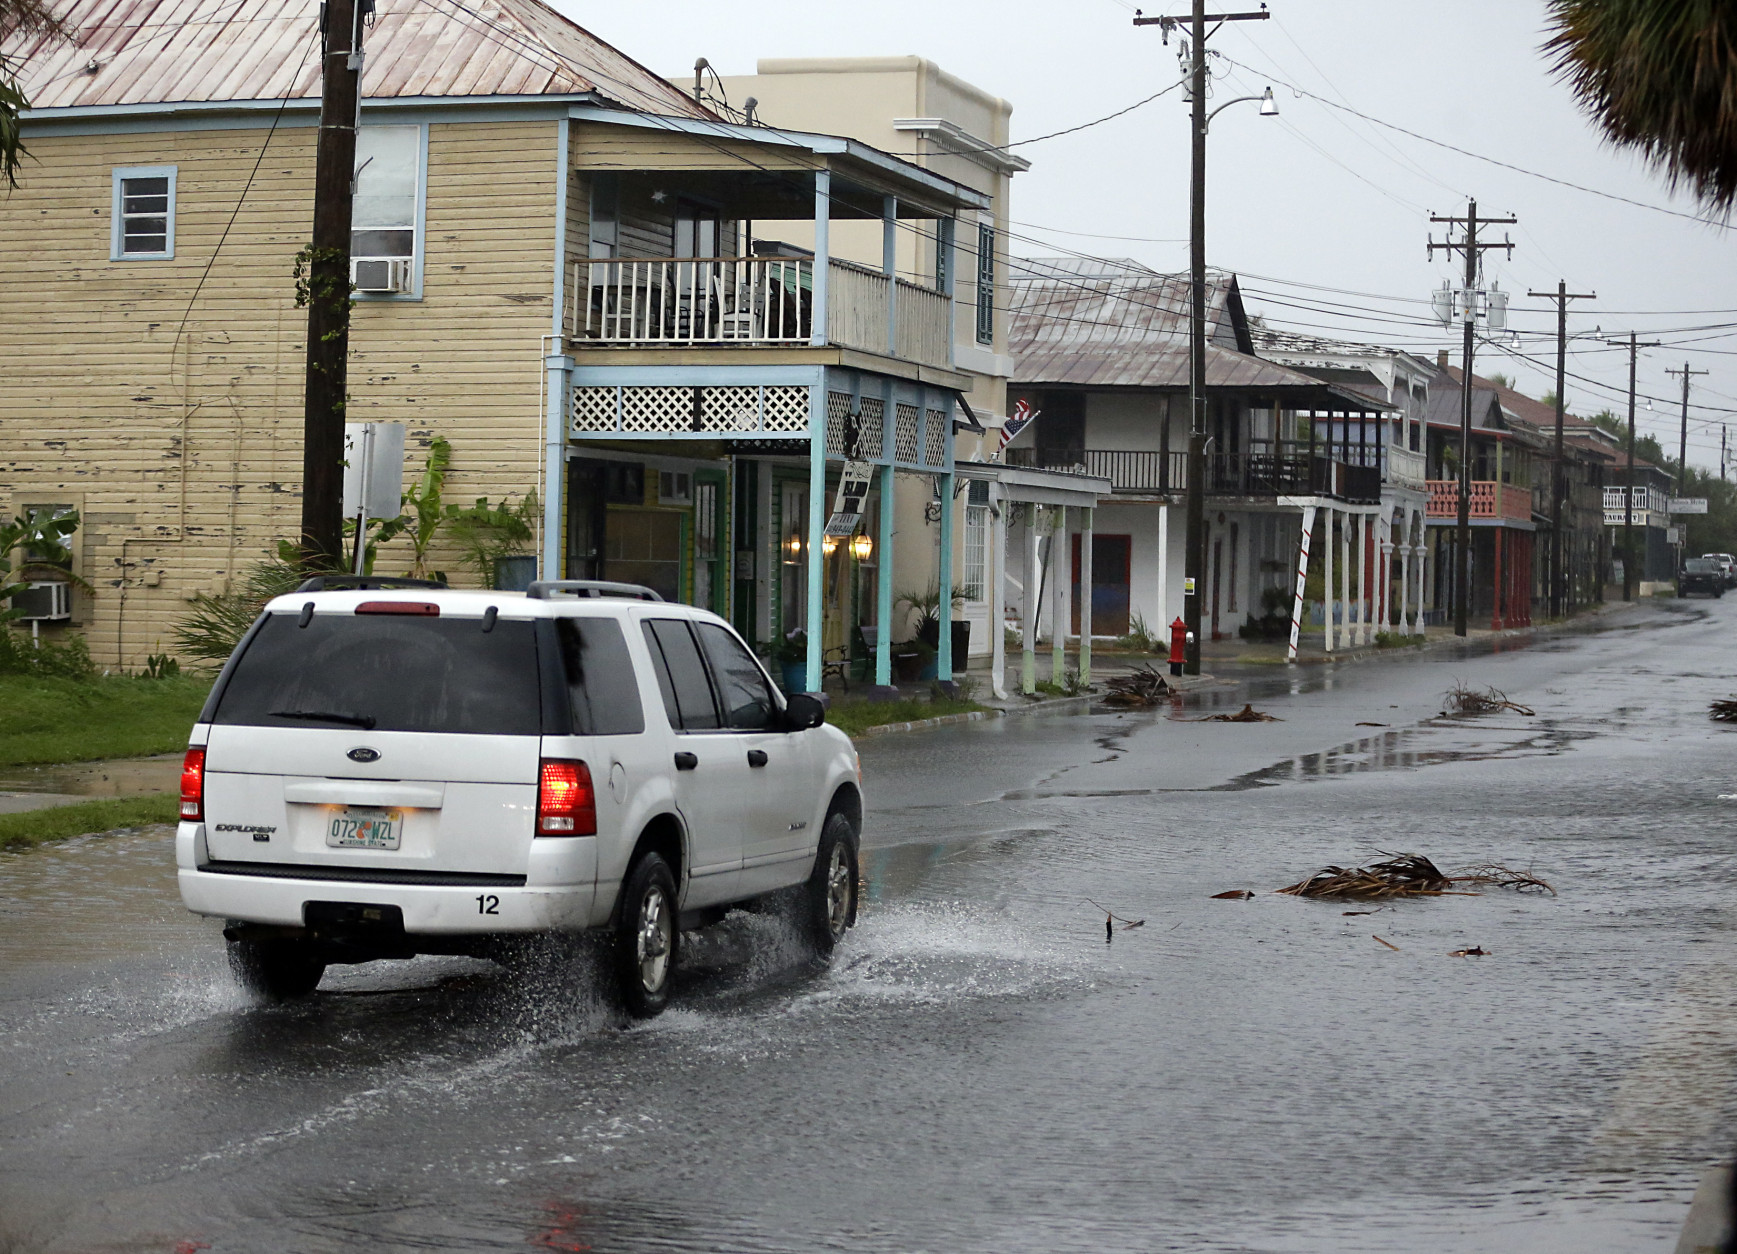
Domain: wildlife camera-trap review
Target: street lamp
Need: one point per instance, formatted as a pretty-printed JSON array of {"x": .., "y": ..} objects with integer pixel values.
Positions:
[{"x": 1194, "y": 553}]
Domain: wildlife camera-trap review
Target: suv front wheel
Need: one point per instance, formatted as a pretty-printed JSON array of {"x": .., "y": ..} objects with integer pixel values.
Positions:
[
  {"x": 829, "y": 896},
  {"x": 645, "y": 937}
]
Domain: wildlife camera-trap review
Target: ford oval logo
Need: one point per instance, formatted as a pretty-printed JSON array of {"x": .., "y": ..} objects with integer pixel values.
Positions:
[{"x": 363, "y": 754}]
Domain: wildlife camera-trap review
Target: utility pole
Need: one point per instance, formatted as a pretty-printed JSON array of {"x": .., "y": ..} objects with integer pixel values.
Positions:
[
  {"x": 1558, "y": 581},
  {"x": 1194, "y": 542},
  {"x": 1469, "y": 247},
  {"x": 1634, "y": 347},
  {"x": 324, "y": 281},
  {"x": 1723, "y": 432},
  {"x": 1683, "y": 435}
]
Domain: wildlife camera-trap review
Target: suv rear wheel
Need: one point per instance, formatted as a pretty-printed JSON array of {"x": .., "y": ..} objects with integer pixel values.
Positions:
[
  {"x": 645, "y": 937},
  {"x": 277, "y": 970},
  {"x": 828, "y": 907}
]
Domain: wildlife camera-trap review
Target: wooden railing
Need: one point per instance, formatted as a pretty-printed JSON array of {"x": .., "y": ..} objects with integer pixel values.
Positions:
[
  {"x": 924, "y": 325},
  {"x": 1128, "y": 470},
  {"x": 754, "y": 300},
  {"x": 1404, "y": 466},
  {"x": 1487, "y": 499},
  {"x": 1226, "y": 474},
  {"x": 701, "y": 300},
  {"x": 856, "y": 307}
]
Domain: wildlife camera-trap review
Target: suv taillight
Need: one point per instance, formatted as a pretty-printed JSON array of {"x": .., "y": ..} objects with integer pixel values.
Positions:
[
  {"x": 193, "y": 786},
  {"x": 566, "y": 802}
]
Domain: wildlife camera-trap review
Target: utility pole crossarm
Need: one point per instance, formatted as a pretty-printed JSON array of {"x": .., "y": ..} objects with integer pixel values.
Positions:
[{"x": 1173, "y": 23}]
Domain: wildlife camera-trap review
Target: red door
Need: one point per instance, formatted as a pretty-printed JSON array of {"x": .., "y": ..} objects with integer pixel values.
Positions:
[{"x": 1111, "y": 560}]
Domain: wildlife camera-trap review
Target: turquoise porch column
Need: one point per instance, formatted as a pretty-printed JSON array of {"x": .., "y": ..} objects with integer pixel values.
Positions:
[
  {"x": 884, "y": 585},
  {"x": 944, "y": 646}
]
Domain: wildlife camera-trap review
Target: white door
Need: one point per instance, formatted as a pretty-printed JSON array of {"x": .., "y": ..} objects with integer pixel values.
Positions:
[
  {"x": 779, "y": 803},
  {"x": 711, "y": 772}
]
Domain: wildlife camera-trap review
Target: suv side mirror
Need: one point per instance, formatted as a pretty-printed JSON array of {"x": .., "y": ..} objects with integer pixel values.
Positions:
[{"x": 802, "y": 711}]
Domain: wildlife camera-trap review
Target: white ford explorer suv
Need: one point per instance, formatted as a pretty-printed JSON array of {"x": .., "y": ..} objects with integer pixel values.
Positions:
[{"x": 387, "y": 768}]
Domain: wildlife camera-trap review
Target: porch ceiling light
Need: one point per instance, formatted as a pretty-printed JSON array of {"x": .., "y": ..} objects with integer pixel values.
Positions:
[
  {"x": 862, "y": 547},
  {"x": 1269, "y": 106}
]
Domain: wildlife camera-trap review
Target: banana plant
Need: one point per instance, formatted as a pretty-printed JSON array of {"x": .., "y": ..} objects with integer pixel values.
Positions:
[{"x": 40, "y": 539}]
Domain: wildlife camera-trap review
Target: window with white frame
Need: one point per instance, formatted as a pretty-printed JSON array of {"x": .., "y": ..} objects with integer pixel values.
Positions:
[
  {"x": 143, "y": 213},
  {"x": 384, "y": 216},
  {"x": 976, "y": 551},
  {"x": 985, "y": 284}
]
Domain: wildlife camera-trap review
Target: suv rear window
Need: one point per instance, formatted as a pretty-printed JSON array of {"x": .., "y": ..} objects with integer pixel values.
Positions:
[
  {"x": 601, "y": 685},
  {"x": 387, "y": 672},
  {"x": 1700, "y": 566}
]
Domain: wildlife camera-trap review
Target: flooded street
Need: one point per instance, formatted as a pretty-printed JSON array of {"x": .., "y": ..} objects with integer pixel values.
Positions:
[{"x": 978, "y": 1069}]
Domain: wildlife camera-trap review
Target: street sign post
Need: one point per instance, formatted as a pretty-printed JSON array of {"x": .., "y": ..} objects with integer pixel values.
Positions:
[{"x": 373, "y": 476}]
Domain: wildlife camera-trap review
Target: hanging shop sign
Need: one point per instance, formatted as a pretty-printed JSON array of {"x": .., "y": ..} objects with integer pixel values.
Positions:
[{"x": 850, "y": 504}]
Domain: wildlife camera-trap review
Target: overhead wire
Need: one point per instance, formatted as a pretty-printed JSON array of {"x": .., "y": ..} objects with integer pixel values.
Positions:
[{"x": 1506, "y": 165}]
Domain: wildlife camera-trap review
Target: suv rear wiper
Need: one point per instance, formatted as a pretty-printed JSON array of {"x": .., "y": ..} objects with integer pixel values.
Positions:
[{"x": 365, "y": 721}]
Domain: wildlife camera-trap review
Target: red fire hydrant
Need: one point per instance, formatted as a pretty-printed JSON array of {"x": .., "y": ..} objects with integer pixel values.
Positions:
[{"x": 1178, "y": 645}]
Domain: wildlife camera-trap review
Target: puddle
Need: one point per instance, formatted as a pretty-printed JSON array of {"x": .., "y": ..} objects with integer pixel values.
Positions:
[{"x": 119, "y": 777}]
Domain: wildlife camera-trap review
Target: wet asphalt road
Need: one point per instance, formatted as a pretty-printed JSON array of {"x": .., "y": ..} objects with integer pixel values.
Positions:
[{"x": 978, "y": 1070}]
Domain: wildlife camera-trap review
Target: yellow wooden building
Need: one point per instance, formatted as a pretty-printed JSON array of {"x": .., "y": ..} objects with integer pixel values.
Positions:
[{"x": 568, "y": 268}]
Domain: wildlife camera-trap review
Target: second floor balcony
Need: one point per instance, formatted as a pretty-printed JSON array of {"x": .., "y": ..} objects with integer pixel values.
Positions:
[
  {"x": 1489, "y": 501},
  {"x": 1269, "y": 472},
  {"x": 757, "y": 301}
]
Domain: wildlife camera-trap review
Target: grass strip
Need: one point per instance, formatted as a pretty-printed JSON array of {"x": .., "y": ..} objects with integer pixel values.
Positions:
[
  {"x": 856, "y": 717},
  {"x": 38, "y": 827},
  {"x": 51, "y": 719}
]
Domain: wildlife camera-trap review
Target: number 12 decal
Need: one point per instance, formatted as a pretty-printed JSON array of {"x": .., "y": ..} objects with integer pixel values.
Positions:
[{"x": 488, "y": 903}]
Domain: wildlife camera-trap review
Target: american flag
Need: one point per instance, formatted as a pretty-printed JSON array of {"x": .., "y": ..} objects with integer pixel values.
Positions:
[{"x": 1022, "y": 417}]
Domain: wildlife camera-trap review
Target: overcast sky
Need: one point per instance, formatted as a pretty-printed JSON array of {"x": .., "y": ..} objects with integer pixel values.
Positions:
[{"x": 1315, "y": 198}]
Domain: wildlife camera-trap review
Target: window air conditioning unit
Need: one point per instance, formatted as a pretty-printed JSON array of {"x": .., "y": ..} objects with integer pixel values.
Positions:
[
  {"x": 380, "y": 274},
  {"x": 675, "y": 487},
  {"x": 44, "y": 601}
]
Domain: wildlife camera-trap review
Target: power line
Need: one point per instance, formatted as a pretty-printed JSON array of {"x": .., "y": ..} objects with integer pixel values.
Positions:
[{"x": 1466, "y": 152}]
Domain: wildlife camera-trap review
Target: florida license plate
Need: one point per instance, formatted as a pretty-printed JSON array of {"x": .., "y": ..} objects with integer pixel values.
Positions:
[{"x": 364, "y": 827}]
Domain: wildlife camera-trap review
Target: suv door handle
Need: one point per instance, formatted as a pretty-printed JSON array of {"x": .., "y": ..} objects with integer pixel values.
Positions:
[
  {"x": 686, "y": 761},
  {"x": 756, "y": 757}
]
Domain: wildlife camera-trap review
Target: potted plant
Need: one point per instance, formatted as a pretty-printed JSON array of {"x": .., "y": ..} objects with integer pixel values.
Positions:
[
  {"x": 927, "y": 607},
  {"x": 789, "y": 653}
]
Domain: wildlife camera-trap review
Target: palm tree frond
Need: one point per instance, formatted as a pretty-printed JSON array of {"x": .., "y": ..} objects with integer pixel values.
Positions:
[{"x": 1660, "y": 79}]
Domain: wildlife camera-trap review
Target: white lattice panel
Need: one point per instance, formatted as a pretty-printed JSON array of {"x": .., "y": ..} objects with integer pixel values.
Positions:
[
  {"x": 594, "y": 409},
  {"x": 905, "y": 432},
  {"x": 657, "y": 409},
  {"x": 873, "y": 419},
  {"x": 935, "y": 438},
  {"x": 730, "y": 408},
  {"x": 837, "y": 410},
  {"x": 786, "y": 408}
]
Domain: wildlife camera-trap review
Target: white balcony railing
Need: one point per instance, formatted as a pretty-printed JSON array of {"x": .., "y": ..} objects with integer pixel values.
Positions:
[
  {"x": 1405, "y": 467},
  {"x": 697, "y": 300},
  {"x": 682, "y": 301}
]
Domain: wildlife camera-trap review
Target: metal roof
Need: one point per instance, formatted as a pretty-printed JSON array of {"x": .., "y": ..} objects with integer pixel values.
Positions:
[
  {"x": 1095, "y": 303},
  {"x": 1114, "y": 323},
  {"x": 142, "y": 52}
]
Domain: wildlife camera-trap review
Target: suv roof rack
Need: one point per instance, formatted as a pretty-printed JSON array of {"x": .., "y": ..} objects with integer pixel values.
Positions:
[
  {"x": 365, "y": 583},
  {"x": 546, "y": 589}
]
